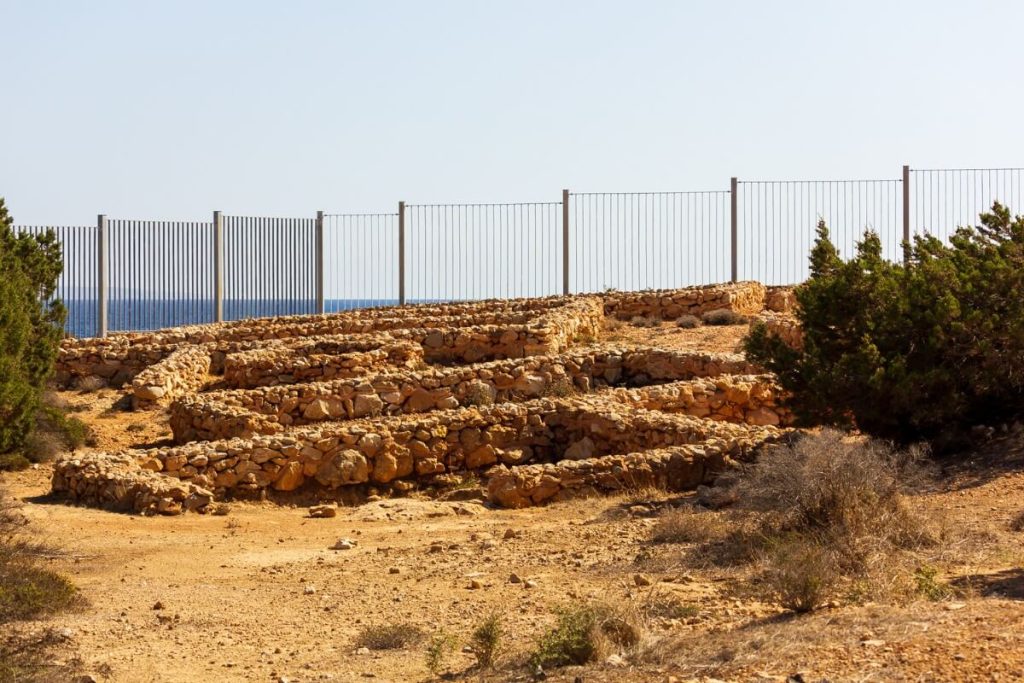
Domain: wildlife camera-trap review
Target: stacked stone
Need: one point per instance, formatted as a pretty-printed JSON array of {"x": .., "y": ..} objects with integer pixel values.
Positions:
[
  {"x": 268, "y": 410},
  {"x": 384, "y": 450},
  {"x": 677, "y": 468},
  {"x": 746, "y": 298},
  {"x": 782, "y": 325},
  {"x": 182, "y": 373},
  {"x": 462, "y": 336},
  {"x": 318, "y": 359},
  {"x": 117, "y": 482},
  {"x": 750, "y": 399},
  {"x": 780, "y": 298}
]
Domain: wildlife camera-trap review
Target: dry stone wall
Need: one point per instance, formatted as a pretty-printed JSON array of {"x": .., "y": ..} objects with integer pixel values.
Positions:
[
  {"x": 462, "y": 336},
  {"x": 269, "y": 410},
  {"x": 384, "y": 450},
  {"x": 183, "y": 372},
  {"x": 319, "y": 359},
  {"x": 668, "y": 304},
  {"x": 676, "y": 468},
  {"x": 751, "y": 399},
  {"x": 782, "y": 325}
]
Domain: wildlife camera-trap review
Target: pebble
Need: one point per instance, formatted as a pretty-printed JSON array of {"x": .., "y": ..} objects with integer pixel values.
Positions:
[
  {"x": 344, "y": 544},
  {"x": 514, "y": 578},
  {"x": 310, "y": 589},
  {"x": 641, "y": 580},
  {"x": 158, "y": 605},
  {"x": 530, "y": 583},
  {"x": 475, "y": 584}
]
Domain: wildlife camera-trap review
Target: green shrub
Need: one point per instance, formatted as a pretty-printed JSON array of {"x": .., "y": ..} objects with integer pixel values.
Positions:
[
  {"x": 440, "y": 646},
  {"x": 31, "y": 325},
  {"x": 486, "y": 640},
  {"x": 916, "y": 352},
  {"x": 582, "y": 634}
]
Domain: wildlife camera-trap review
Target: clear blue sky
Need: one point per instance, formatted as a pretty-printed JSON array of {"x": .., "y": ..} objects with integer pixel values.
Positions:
[{"x": 168, "y": 110}]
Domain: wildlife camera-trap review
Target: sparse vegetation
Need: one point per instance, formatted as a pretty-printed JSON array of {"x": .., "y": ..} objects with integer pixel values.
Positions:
[
  {"x": 917, "y": 352},
  {"x": 800, "y": 572},
  {"x": 688, "y": 322},
  {"x": 27, "y": 591},
  {"x": 487, "y": 640},
  {"x": 440, "y": 646},
  {"x": 394, "y": 636},
  {"x": 826, "y": 510},
  {"x": 645, "y": 321},
  {"x": 723, "y": 316},
  {"x": 583, "y": 633}
]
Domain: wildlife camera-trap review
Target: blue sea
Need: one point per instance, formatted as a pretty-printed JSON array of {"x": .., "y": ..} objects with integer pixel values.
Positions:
[{"x": 155, "y": 314}]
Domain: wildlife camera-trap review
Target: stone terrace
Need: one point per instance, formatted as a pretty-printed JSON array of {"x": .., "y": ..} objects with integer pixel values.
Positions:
[{"x": 399, "y": 398}]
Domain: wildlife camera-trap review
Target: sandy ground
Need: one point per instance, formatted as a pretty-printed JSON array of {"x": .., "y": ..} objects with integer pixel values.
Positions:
[{"x": 258, "y": 595}]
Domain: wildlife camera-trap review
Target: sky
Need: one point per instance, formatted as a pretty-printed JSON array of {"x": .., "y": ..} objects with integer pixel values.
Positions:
[{"x": 170, "y": 110}]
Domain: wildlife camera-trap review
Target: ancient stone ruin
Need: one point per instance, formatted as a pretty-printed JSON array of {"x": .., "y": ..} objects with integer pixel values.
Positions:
[{"x": 521, "y": 393}]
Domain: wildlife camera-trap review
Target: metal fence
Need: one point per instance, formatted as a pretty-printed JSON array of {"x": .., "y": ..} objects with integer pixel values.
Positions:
[
  {"x": 269, "y": 266},
  {"x": 776, "y": 222},
  {"x": 361, "y": 253},
  {"x": 138, "y": 275},
  {"x": 647, "y": 240},
  {"x": 482, "y": 251}
]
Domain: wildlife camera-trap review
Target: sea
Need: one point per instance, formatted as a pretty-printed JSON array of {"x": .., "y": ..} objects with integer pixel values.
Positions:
[{"x": 154, "y": 314}]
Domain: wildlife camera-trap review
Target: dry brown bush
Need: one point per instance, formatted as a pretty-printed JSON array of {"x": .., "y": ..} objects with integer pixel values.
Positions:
[{"x": 394, "y": 636}]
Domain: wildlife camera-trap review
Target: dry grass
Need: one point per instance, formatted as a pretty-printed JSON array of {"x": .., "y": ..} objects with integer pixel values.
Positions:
[
  {"x": 723, "y": 316},
  {"x": 823, "y": 518},
  {"x": 27, "y": 591},
  {"x": 394, "y": 636},
  {"x": 688, "y": 322}
]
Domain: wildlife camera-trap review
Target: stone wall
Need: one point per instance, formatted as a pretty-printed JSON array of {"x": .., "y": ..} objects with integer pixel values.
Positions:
[
  {"x": 750, "y": 399},
  {"x": 268, "y": 410},
  {"x": 668, "y": 304},
  {"x": 463, "y": 336},
  {"x": 677, "y": 468},
  {"x": 116, "y": 482},
  {"x": 780, "y": 298},
  {"x": 782, "y": 325},
  {"x": 319, "y": 359},
  {"x": 182, "y": 373},
  {"x": 409, "y": 447}
]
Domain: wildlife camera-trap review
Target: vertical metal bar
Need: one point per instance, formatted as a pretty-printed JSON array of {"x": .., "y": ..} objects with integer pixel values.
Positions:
[
  {"x": 906, "y": 214},
  {"x": 401, "y": 253},
  {"x": 565, "y": 241},
  {"x": 734, "y": 228},
  {"x": 101, "y": 276},
  {"x": 320, "y": 262},
  {"x": 218, "y": 267}
]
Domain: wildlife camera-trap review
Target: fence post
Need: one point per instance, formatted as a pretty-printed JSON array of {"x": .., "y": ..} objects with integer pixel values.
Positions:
[
  {"x": 906, "y": 215},
  {"x": 218, "y": 267},
  {"x": 101, "y": 276},
  {"x": 734, "y": 227},
  {"x": 401, "y": 253},
  {"x": 320, "y": 262},
  {"x": 565, "y": 241}
]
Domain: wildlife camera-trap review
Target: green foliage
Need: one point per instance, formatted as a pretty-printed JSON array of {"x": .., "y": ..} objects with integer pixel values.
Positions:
[
  {"x": 922, "y": 351},
  {"x": 582, "y": 634},
  {"x": 486, "y": 640},
  {"x": 30, "y": 326},
  {"x": 440, "y": 646}
]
